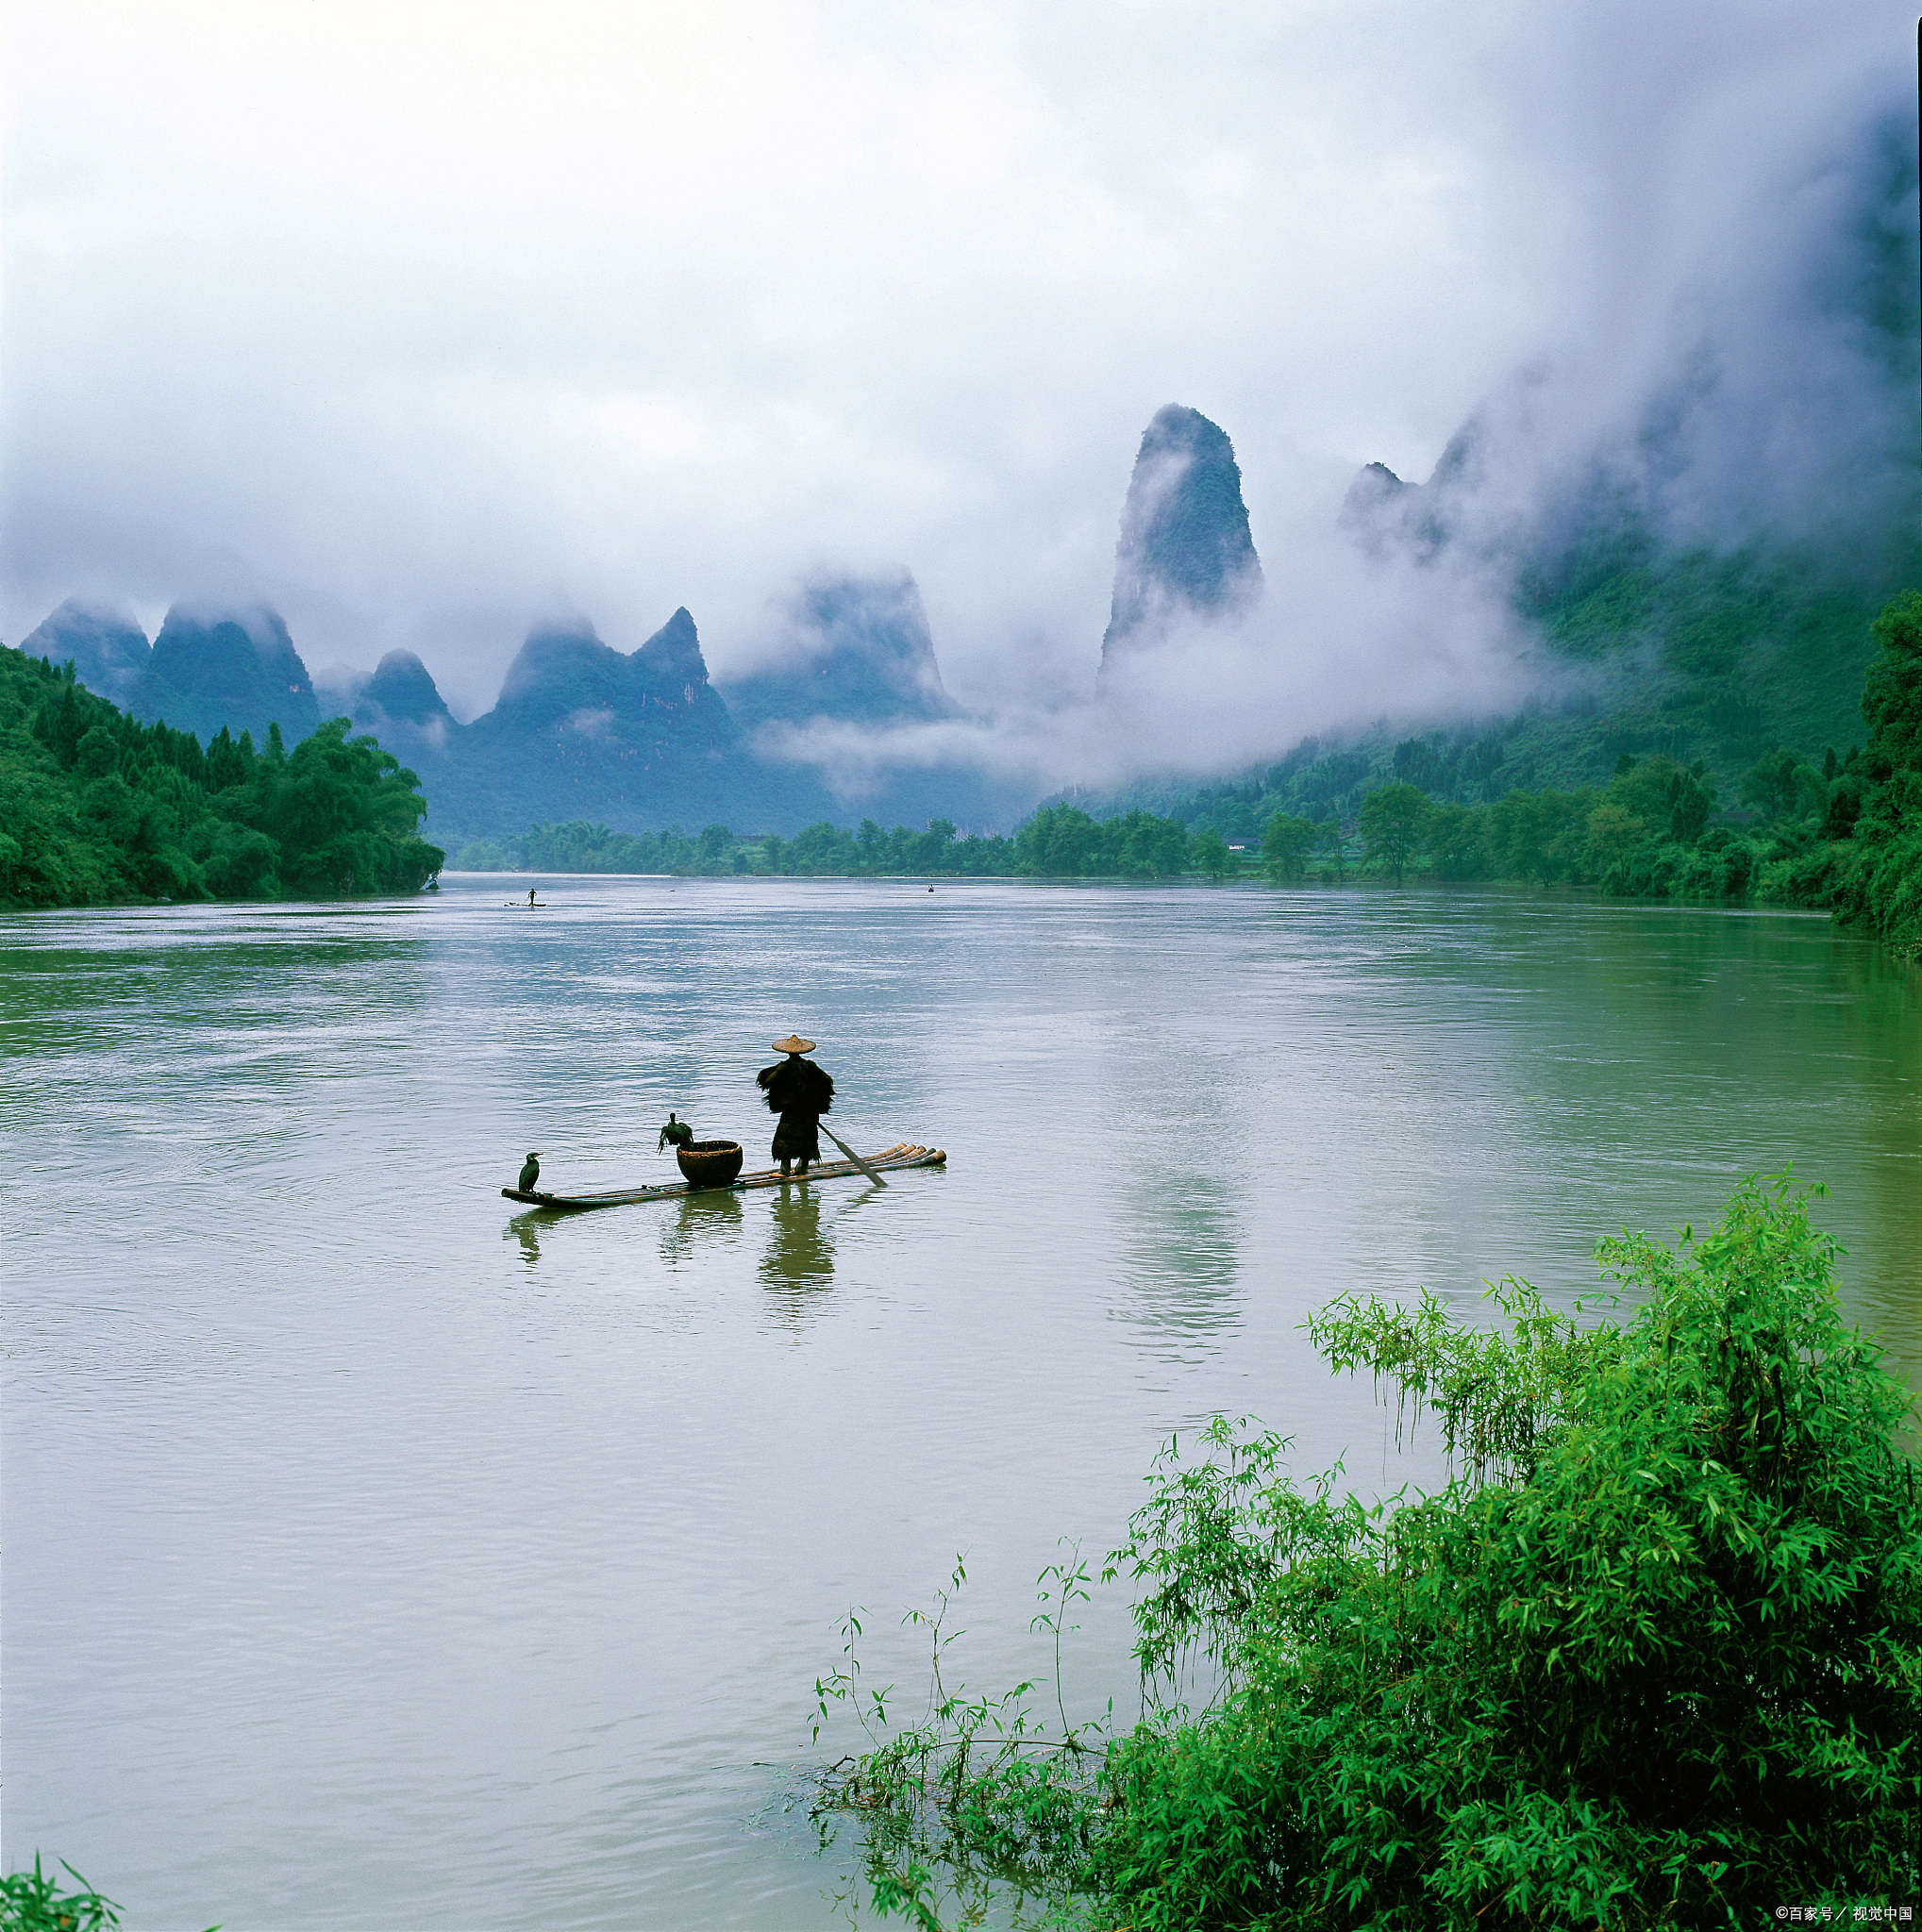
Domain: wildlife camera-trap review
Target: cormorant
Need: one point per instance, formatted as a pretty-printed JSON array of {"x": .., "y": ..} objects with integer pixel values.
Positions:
[
  {"x": 529, "y": 1173},
  {"x": 676, "y": 1133}
]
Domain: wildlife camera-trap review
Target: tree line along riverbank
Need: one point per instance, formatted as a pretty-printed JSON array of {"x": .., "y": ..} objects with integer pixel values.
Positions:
[
  {"x": 1840, "y": 832},
  {"x": 97, "y": 808}
]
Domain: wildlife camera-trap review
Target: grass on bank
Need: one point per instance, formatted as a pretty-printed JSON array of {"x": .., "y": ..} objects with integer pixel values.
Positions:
[
  {"x": 38, "y": 1901},
  {"x": 1651, "y": 1657}
]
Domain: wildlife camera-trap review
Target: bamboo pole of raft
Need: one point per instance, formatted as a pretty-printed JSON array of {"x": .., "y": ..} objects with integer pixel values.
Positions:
[{"x": 853, "y": 1157}]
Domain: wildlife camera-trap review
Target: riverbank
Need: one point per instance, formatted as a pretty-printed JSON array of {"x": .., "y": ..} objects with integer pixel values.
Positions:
[{"x": 99, "y": 810}]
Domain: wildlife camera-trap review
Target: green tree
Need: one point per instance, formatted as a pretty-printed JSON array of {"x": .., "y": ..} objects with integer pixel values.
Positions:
[
  {"x": 1880, "y": 882},
  {"x": 1457, "y": 841},
  {"x": 1540, "y": 835},
  {"x": 1615, "y": 834},
  {"x": 1892, "y": 692},
  {"x": 1392, "y": 821},
  {"x": 1784, "y": 784},
  {"x": 933, "y": 847},
  {"x": 1331, "y": 841},
  {"x": 1210, "y": 853},
  {"x": 1286, "y": 842},
  {"x": 99, "y": 806}
]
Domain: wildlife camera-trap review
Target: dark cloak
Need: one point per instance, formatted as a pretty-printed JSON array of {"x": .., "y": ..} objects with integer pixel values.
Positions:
[{"x": 800, "y": 1092}]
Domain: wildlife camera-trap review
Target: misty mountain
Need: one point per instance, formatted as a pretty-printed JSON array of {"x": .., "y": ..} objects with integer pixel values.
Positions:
[
  {"x": 639, "y": 741},
  {"x": 109, "y": 650},
  {"x": 856, "y": 650},
  {"x": 657, "y": 700},
  {"x": 1185, "y": 548},
  {"x": 400, "y": 705},
  {"x": 239, "y": 669},
  {"x": 403, "y": 691},
  {"x": 1699, "y": 538},
  {"x": 1373, "y": 513}
]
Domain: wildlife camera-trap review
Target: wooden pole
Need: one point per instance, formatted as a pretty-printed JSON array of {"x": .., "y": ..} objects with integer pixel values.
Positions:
[{"x": 853, "y": 1157}]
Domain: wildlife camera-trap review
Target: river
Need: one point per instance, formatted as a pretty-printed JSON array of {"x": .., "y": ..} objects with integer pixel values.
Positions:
[{"x": 379, "y": 1554}]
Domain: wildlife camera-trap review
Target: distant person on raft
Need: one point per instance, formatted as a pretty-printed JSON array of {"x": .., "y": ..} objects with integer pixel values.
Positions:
[{"x": 800, "y": 1092}]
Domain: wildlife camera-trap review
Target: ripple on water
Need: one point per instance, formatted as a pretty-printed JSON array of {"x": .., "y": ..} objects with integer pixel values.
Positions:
[{"x": 384, "y": 1553}]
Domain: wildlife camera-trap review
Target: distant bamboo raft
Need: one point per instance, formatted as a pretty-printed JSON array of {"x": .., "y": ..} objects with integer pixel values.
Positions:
[{"x": 903, "y": 1153}]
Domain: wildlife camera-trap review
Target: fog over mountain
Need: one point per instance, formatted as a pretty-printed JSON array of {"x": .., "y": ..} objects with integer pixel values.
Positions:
[
  {"x": 853, "y": 648},
  {"x": 428, "y": 348}
]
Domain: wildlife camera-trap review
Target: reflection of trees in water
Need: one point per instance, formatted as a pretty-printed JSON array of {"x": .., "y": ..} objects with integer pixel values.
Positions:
[
  {"x": 702, "y": 1216},
  {"x": 798, "y": 1262},
  {"x": 1181, "y": 1265}
]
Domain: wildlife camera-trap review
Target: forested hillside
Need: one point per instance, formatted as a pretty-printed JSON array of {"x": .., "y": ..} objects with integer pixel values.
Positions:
[
  {"x": 1711, "y": 662},
  {"x": 1808, "y": 829},
  {"x": 96, "y": 807}
]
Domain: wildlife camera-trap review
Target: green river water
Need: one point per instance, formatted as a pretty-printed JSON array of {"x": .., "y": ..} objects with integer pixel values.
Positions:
[{"x": 379, "y": 1554}]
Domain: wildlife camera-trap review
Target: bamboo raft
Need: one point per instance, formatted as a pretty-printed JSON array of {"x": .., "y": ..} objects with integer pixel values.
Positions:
[{"x": 903, "y": 1153}]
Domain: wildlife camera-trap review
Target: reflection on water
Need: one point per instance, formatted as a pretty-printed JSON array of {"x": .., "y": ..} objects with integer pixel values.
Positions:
[
  {"x": 1181, "y": 1262},
  {"x": 797, "y": 1263},
  {"x": 693, "y": 1219},
  {"x": 525, "y": 1228},
  {"x": 385, "y": 1554}
]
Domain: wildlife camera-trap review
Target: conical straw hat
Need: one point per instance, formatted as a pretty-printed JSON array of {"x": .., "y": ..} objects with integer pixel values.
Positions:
[{"x": 794, "y": 1043}]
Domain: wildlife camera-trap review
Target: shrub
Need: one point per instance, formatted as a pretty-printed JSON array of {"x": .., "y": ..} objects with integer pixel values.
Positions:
[{"x": 1652, "y": 1657}]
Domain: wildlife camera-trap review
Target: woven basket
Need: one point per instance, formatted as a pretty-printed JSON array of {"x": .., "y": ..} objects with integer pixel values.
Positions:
[{"x": 709, "y": 1164}]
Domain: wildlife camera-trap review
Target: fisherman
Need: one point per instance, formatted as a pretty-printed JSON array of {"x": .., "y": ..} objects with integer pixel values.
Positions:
[{"x": 800, "y": 1092}]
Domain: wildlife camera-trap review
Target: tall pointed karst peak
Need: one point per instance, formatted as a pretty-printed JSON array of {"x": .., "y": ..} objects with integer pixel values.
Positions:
[
  {"x": 218, "y": 663},
  {"x": 673, "y": 655},
  {"x": 1373, "y": 511},
  {"x": 1185, "y": 548},
  {"x": 562, "y": 667}
]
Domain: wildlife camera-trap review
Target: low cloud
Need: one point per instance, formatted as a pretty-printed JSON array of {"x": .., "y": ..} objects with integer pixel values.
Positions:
[{"x": 1338, "y": 642}]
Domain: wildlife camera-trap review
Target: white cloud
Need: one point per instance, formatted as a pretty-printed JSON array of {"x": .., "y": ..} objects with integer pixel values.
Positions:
[{"x": 441, "y": 318}]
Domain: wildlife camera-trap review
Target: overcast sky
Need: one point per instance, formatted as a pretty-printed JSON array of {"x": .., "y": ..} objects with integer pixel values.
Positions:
[{"x": 430, "y": 321}]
